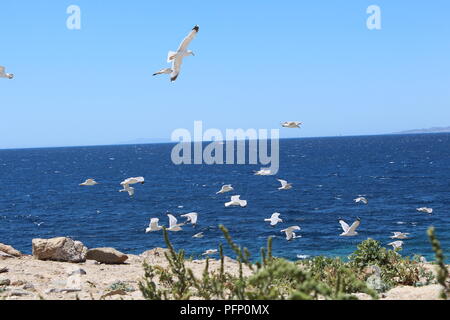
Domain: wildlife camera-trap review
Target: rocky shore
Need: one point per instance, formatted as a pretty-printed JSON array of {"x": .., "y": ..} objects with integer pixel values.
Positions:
[{"x": 64, "y": 269}]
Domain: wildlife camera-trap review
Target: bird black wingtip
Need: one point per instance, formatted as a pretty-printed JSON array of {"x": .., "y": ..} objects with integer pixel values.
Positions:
[{"x": 196, "y": 28}]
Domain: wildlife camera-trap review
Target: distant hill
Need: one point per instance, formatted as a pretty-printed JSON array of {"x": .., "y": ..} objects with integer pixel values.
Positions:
[
  {"x": 146, "y": 141},
  {"x": 429, "y": 130}
]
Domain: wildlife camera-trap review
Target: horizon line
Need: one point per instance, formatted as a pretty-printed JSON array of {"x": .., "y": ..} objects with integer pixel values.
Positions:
[{"x": 176, "y": 142}]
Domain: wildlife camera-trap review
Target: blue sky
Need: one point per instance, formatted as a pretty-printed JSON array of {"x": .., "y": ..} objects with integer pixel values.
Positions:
[{"x": 257, "y": 63}]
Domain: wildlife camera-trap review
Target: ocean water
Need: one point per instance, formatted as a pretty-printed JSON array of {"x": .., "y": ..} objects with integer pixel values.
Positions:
[{"x": 40, "y": 196}]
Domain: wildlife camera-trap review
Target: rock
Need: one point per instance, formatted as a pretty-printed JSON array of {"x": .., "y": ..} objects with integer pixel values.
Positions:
[
  {"x": 17, "y": 283},
  {"x": 154, "y": 256},
  {"x": 5, "y": 282},
  {"x": 75, "y": 271},
  {"x": 4, "y": 255},
  {"x": 29, "y": 286},
  {"x": 10, "y": 250},
  {"x": 73, "y": 284},
  {"x": 19, "y": 293},
  {"x": 106, "y": 255},
  {"x": 4, "y": 269},
  {"x": 59, "y": 249}
]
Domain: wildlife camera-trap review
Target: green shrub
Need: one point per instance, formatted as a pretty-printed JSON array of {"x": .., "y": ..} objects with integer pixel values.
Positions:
[
  {"x": 442, "y": 271},
  {"x": 271, "y": 278},
  {"x": 395, "y": 269}
]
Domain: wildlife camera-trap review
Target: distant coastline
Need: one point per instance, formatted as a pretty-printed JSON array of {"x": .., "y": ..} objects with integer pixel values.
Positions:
[
  {"x": 429, "y": 130},
  {"x": 142, "y": 141}
]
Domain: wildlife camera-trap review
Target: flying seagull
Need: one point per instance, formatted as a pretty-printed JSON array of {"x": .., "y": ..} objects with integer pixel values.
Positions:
[
  {"x": 263, "y": 172},
  {"x": 135, "y": 180},
  {"x": 396, "y": 244},
  {"x": 3, "y": 74},
  {"x": 361, "y": 199},
  {"x": 290, "y": 234},
  {"x": 399, "y": 235},
  {"x": 176, "y": 58},
  {"x": 173, "y": 225},
  {"x": 153, "y": 226},
  {"x": 191, "y": 217},
  {"x": 209, "y": 251},
  {"x": 163, "y": 71},
  {"x": 236, "y": 201},
  {"x": 274, "y": 219},
  {"x": 127, "y": 188},
  {"x": 225, "y": 188},
  {"x": 284, "y": 185},
  {"x": 126, "y": 184},
  {"x": 425, "y": 210},
  {"x": 89, "y": 182},
  {"x": 291, "y": 124},
  {"x": 198, "y": 235},
  {"x": 349, "y": 231}
]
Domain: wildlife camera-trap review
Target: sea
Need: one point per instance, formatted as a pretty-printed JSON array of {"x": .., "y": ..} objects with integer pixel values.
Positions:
[{"x": 40, "y": 196}]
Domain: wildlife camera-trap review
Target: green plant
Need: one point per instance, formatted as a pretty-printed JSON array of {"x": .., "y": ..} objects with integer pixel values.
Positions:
[
  {"x": 120, "y": 285},
  {"x": 442, "y": 271},
  {"x": 395, "y": 269},
  {"x": 270, "y": 278}
]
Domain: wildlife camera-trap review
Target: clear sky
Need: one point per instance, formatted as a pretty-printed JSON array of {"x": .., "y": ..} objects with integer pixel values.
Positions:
[{"x": 257, "y": 63}]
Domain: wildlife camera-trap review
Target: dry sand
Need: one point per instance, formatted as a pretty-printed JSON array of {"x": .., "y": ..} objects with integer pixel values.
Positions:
[{"x": 33, "y": 279}]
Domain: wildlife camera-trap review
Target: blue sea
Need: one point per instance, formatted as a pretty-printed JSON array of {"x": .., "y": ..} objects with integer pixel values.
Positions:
[{"x": 40, "y": 196}]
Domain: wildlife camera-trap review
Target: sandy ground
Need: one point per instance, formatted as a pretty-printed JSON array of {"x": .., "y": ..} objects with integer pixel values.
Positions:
[{"x": 34, "y": 279}]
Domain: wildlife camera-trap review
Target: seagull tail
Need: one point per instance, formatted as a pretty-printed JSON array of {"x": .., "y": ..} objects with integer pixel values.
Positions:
[{"x": 171, "y": 56}]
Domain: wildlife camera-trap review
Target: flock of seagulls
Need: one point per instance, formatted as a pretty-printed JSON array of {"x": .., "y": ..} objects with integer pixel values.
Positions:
[
  {"x": 176, "y": 60},
  {"x": 274, "y": 220}
]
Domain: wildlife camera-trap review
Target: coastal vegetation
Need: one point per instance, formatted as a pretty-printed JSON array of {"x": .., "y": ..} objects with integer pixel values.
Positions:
[{"x": 371, "y": 270}]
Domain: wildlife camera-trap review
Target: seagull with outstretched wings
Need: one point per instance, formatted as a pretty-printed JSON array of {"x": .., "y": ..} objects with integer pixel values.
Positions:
[{"x": 176, "y": 57}]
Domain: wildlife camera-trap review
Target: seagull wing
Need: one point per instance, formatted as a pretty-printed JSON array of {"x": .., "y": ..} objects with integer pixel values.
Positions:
[
  {"x": 125, "y": 182},
  {"x": 139, "y": 179},
  {"x": 288, "y": 233},
  {"x": 186, "y": 41},
  {"x": 283, "y": 182},
  {"x": 154, "y": 223},
  {"x": 275, "y": 215},
  {"x": 192, "y": 217},
  {"x": 130, "y": 190},
  {"x": 354, "y": 226},
  {"x": 172, "y": 221},
  {"x": 235, "y": 198},
  {"x": 176, "y": 67},
  {"x": 2, "y": 69},
  {"x": 344, "y": 225}
]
